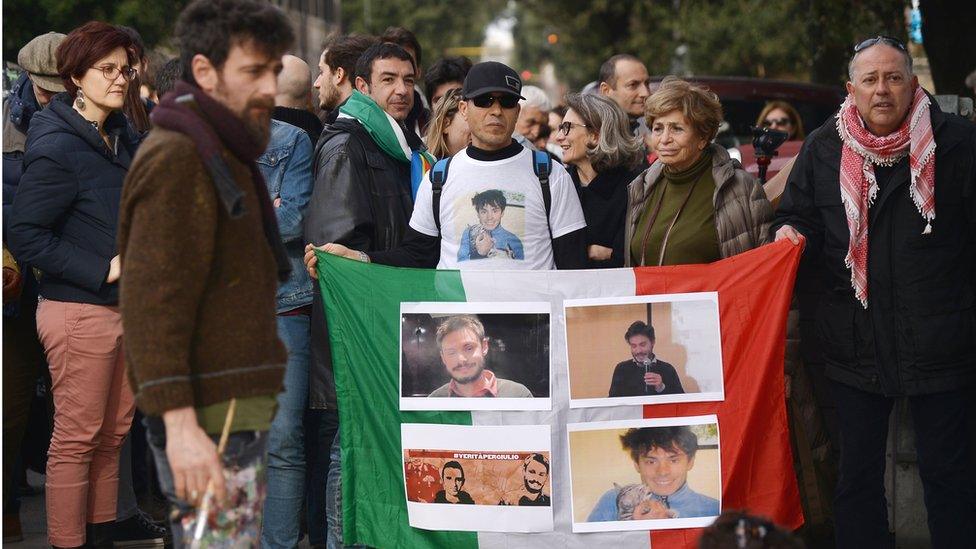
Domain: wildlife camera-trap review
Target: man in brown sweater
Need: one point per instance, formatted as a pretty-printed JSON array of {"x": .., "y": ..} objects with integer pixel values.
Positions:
[{"x": 202, "y": 258}]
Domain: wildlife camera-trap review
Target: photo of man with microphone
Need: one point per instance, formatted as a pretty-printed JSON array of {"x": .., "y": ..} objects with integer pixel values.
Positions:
[{"x": 644, "y": 374}]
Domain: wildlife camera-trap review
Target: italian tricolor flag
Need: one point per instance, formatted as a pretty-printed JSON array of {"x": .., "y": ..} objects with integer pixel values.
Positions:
[{"x": 363, "y": 306}]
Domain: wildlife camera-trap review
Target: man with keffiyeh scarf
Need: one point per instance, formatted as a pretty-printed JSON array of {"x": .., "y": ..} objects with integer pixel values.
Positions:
[{"x": 884, "y": 194}]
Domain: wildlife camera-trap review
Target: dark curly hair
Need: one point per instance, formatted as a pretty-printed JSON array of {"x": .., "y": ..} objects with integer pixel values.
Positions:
[
  {"x": 211, "y": 27},
  {"x": 640, "y": 441}
]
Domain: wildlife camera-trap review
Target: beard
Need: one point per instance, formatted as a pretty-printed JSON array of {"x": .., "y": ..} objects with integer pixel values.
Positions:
[
  {"x": 468, "y": 379},
  {"x": 331, "y": 99},
  {"x": 256, "y": 115},
  {"x": 532, "y": 487},
  {"x": 257, "y": 119}
]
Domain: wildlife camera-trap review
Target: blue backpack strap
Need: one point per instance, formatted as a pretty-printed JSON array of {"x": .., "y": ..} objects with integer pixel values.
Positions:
[
  {"x": 438, "y": 175},
  {"x": 542, "y": 166}
]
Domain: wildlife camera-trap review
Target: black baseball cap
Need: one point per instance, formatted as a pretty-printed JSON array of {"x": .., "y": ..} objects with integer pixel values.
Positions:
[{"x": 491, "y": 76}]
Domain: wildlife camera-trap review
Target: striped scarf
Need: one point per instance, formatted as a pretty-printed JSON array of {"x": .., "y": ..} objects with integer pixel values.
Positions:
[
  {"x": 863, "y": 150},
  {"x": 388, "y": 135}
]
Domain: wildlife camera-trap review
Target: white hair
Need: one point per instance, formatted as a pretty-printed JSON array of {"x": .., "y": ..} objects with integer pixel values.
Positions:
[{"x": 535, "y": 97}]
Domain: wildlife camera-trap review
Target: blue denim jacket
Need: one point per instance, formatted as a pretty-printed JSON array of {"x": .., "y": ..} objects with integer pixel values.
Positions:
[{"x": 287, "y": 169}]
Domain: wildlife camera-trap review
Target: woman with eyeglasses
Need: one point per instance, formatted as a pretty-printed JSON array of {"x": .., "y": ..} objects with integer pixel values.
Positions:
[
  {"x": 781, "y": 116},
  {"x": 694, "y": 204},
  {"x": 602, "y": 157},
  {"x": 447, "y": 132},
  {"x": 63, "y": 222}
]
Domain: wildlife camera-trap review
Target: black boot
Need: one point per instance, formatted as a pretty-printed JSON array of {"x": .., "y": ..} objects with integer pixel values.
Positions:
[
  {"x": 99, "y": 536},
  {"x": 141, "y": 532}
]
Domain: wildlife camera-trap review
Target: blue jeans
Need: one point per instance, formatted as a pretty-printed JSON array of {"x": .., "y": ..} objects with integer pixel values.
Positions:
[
  {"x": 286, "y": 442},
  {"x": 333, "y": 494}
]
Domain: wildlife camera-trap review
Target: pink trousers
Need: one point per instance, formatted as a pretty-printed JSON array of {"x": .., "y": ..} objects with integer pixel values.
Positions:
[{"x": 93, "y": 408}]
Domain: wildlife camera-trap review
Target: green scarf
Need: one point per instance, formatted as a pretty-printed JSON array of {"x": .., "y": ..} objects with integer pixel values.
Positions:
[{"x": 388, "y": 135}]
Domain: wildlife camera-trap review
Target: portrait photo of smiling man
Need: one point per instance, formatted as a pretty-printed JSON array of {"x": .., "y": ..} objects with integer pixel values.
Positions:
[{"x": 463, "y": 349}]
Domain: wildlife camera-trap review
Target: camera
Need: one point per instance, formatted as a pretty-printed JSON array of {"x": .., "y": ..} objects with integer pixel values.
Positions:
[{"x": 765, "y": 142}]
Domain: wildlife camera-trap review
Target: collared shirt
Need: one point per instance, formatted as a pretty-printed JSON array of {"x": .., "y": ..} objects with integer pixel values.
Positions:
[{"x": 487, "y": 386}]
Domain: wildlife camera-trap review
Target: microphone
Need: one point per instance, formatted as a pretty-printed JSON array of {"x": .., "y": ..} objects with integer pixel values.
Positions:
[{"x": 647, "y": 370}]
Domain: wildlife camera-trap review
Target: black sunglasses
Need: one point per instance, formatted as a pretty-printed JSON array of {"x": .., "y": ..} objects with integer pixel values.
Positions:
[
  {"x": 880, "y": 38},
  {"x": 486, "y": 101}
]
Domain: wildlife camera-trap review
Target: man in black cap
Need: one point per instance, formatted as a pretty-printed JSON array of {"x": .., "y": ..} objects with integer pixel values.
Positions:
[{"x": 450, "y": 229}]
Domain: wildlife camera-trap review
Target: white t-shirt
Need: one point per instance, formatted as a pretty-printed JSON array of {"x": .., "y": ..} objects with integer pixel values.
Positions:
[{"x": 509, "y": 229}]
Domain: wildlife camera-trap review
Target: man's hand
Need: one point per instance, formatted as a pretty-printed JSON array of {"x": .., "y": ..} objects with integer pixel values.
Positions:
[
  {"x": 654, "y": 380},
  {"x": 192, "y": 457},
  {"x": 788, "y": 232},
  {"x": 651, "y": 509},
  {"x": 311, "y": 262},
  {"x": 114, "y": 270},
  {"x": 599, "y": 253},
  {"x": 12, "y": 284}
]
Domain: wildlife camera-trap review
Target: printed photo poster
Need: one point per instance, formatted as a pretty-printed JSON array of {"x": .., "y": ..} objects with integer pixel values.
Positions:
[
  {"x": 475, "y": 356},
  {"x": 478, "y": 478},
  {"x": 490, "y": 225},
  {"x": 648, "y": 474},
  {"x": 651, "y": 349}
]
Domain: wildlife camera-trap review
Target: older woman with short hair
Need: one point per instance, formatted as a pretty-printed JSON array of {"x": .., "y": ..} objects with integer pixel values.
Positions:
[
  {"x": 447, "y": 132},
  {"x": 602, "y": 157},
  {"x": 694, "y": 204}
]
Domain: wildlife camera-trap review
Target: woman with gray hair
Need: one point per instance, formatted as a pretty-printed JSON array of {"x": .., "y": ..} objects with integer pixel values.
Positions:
[
  {"x": 602, "y": 156},
  {"x": 695, "y": 204}
]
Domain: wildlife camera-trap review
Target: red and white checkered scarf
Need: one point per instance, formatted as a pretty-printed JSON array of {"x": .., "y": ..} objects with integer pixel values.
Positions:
[{"x": 861, "y": 151}]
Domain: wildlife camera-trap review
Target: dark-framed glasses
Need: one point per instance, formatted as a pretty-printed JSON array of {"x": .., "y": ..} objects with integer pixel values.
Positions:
[
  {"x": 891, "y": 41},
  {"x": 485, "y": 101},
  {"x": 111, "y": 72},
  {"x": 567, "y": 127}
]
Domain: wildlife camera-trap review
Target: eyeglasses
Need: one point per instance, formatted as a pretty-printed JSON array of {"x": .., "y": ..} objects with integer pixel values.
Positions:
[
  {"x": 485, "y": 101},
  {"x": 567, "y": 127},
  {"x": 777, "y": 122},
  {"x": 111, "y": 72},
  {"x": 880, "y": 38}
]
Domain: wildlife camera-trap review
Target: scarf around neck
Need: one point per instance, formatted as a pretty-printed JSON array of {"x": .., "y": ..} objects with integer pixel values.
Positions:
[
  {"x": 212, "y": 126},
  {"x": 388, "y": 135},
  {"x": 861, "y": 152}
]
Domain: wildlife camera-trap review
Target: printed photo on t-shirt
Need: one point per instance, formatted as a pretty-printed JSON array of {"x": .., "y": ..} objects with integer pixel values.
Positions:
[{"x": 491, "y": 224}]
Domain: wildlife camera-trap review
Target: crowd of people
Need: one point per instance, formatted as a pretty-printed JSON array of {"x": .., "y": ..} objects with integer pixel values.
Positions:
[{"x": 161, "y": 219}]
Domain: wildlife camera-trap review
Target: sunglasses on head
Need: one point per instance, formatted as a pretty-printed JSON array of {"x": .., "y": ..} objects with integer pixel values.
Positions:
[
  {"x": 883, "y": 39},
  {"x": 777, "y": 122},
  {"x": 486, "y": 101}
]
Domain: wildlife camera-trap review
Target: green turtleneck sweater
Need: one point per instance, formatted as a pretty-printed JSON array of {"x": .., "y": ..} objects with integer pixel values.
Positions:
[{"x": 694, "y": 238}]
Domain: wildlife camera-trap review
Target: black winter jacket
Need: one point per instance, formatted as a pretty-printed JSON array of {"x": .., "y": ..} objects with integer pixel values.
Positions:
[
  {"x": 918, "y": 334},
  {"x": 64, "y": 217},
  {"x": 361, "y": 199}
]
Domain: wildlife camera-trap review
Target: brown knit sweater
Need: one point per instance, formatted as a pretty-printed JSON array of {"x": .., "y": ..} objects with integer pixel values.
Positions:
[{"x": 198, "y": 288}]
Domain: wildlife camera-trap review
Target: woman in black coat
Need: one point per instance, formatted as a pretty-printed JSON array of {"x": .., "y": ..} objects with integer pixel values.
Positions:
[
  {"x": 63, "y": 222},
  {"x": 603, "y": 157}
]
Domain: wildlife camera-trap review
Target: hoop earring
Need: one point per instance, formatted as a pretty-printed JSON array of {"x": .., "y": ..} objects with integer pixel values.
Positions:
[{"x": 80, "y": 100}]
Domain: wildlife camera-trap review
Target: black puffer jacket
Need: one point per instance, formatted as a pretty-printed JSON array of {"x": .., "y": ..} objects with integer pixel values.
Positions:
[
  {"x": 65, "y": 215},
  {"x": 918, "y": 334},
  {"x": 361, "y": 199}
]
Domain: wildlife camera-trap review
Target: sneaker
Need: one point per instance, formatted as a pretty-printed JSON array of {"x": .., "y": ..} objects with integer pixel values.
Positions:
[{"x": 141, "y": 532}]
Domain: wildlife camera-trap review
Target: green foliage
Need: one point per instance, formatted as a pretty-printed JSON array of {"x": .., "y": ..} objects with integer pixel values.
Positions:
[
  {"x": 438, "y": 24},
  {"x": 794, "y": 39},
  {"x": 25, "y": 19}
]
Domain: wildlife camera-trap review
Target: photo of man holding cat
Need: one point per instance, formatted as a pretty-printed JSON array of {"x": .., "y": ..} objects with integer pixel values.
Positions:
[{"x": 662, "y": 456}]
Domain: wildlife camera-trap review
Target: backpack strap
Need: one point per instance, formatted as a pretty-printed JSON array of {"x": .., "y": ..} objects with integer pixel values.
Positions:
[
  {"x": 542, "y": 166},
  {"x": 438, "y": 175}
]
